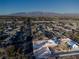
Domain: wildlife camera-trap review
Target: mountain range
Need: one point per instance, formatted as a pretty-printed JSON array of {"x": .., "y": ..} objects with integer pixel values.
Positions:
[{"x": 49, "y": 14}]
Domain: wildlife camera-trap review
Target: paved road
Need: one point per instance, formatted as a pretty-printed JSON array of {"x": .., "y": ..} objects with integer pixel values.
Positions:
[{"x": 55, "y": 21}]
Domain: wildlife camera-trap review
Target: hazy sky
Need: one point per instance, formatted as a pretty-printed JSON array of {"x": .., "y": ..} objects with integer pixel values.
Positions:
[{"x": 58, "y": 6}]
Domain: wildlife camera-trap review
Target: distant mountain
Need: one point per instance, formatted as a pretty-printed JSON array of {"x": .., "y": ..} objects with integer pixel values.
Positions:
[
  {"x": 34, "y": 14},
  {"x": 41, "y": 14}
]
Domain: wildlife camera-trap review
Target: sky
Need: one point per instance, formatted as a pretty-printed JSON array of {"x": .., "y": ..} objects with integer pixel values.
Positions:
[{"x": 57, "y": 6}]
